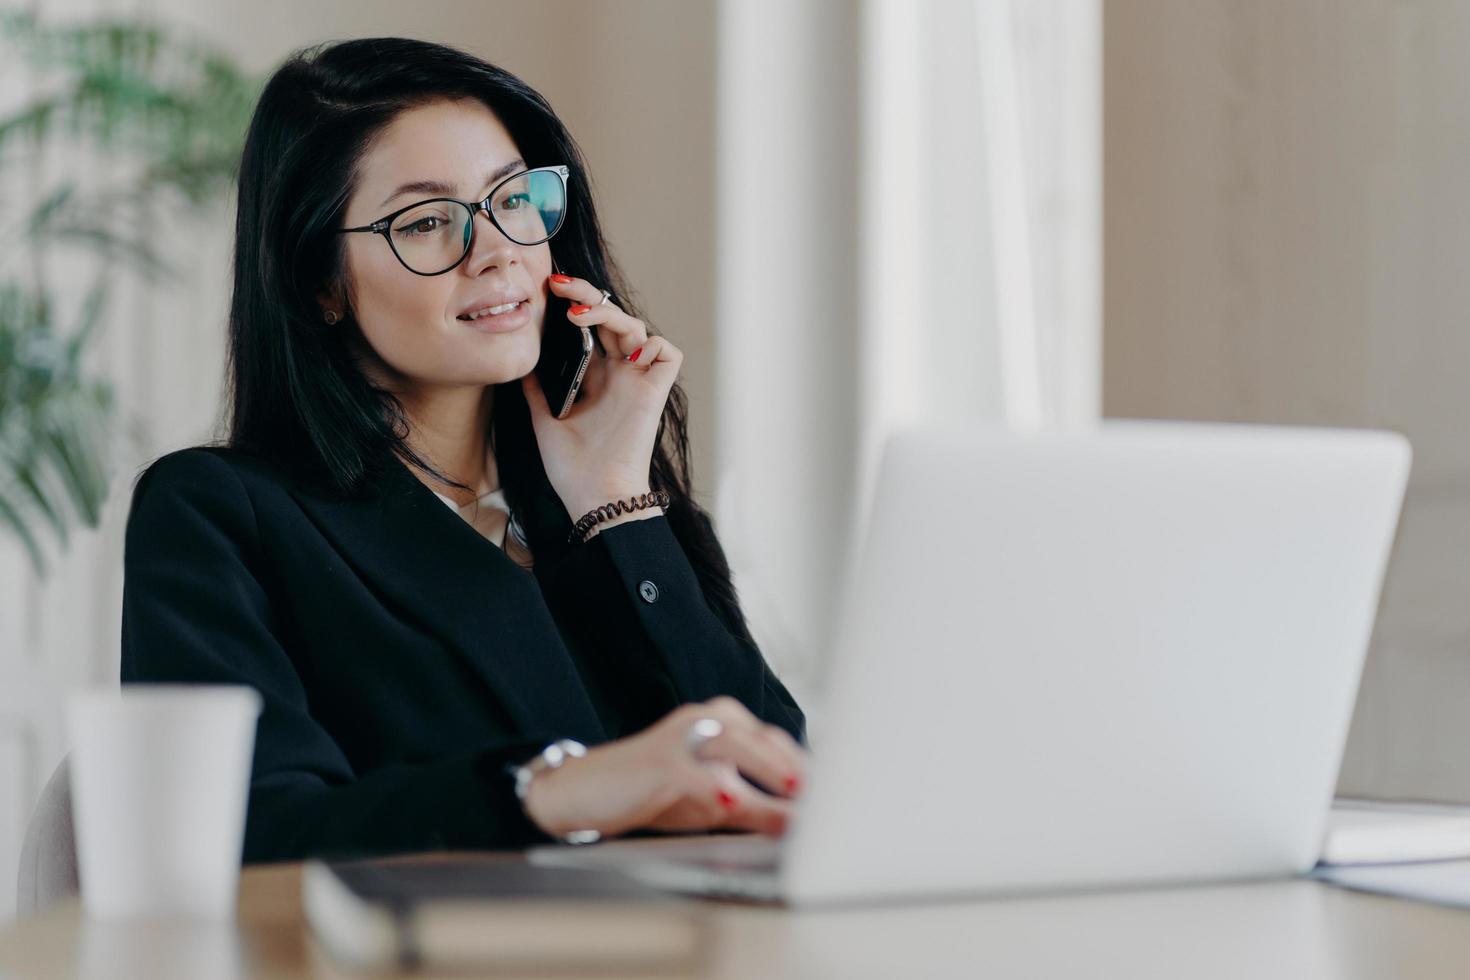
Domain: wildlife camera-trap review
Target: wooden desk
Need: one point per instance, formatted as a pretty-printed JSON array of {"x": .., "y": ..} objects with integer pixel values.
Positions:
[{"x": 1297, "y": 929}]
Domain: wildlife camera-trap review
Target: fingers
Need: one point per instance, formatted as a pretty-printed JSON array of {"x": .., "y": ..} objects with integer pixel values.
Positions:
[
  {"x": 757, "y": 757},
  {"x": 719, "y": 798},
  {"x": 577, "y": 290},
  {"x": 653, "y": 351},
  {"x": 789, "y": 748},
  {"x": 747, "y": 808},
  {"x": 620, "y": 333},
  {"x": 660, "y": 362},
  {"x": 754, "y": 747},
  {"x": 713, "y": 794}
]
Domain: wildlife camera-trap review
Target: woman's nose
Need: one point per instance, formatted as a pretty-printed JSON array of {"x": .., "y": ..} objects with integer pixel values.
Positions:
[{"x": 488, "y": 243}]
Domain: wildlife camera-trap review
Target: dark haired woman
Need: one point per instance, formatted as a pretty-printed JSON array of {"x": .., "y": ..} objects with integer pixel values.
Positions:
[{"x": 386, "y": 544}]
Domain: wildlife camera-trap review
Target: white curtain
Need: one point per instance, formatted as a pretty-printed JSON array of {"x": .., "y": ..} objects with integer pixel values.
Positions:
[{"x": 908, "y": 229}]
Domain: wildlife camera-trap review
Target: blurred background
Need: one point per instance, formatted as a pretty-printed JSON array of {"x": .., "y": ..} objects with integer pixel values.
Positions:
[{"x": 850, "y": 215}]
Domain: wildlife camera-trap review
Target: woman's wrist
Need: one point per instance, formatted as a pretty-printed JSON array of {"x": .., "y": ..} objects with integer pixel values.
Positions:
[
  {"x": 567, "y": 801},
  {"x": 531, "y": 779},
  {"x": 637, "y": 515},
  {"x": 587, "y": 504}
]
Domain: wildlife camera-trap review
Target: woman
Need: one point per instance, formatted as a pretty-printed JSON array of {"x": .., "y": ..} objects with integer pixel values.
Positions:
[{"x": 417, "y": 648}]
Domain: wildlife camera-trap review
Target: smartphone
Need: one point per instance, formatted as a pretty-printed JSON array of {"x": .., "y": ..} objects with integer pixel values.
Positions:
[{"x": 566, "y": 350}]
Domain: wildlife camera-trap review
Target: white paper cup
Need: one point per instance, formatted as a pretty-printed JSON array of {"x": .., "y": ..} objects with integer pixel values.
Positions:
[{"x": 160, "y": 775}]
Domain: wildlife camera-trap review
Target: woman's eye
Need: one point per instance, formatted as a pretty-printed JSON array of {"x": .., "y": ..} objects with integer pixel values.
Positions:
[
  {"x": 421, "y": 227},
  {"x": 515, "y": 202}
]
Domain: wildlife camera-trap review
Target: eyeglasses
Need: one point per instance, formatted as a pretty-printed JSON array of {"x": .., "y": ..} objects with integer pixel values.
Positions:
[{"x": 432, "y": 237}]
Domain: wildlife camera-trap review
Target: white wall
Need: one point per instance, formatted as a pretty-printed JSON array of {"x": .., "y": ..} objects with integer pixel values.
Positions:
[{"x": 1287, "y": 238}]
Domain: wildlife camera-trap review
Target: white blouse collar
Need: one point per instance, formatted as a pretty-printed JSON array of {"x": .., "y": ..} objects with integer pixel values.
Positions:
[{"x": 496, "y": 499}]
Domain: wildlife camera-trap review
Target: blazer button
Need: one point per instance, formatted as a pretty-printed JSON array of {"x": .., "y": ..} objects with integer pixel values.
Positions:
[{"x": 648, "y": 591}]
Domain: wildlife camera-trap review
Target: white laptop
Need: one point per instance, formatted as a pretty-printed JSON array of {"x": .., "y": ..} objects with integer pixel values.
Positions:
[{"x": 1114, "y": 657}]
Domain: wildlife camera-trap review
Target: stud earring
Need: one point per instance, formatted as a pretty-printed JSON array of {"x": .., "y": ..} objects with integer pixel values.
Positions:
[{"x": 331, "y": 316}]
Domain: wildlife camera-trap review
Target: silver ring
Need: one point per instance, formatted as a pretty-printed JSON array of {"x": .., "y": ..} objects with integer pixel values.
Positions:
[
  {"x": 605, "y": 295},
  {"x": 700, "y": 733}
]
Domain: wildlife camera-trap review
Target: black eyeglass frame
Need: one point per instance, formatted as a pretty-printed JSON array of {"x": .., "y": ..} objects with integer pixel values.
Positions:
[{"x": 383, "y": 225}]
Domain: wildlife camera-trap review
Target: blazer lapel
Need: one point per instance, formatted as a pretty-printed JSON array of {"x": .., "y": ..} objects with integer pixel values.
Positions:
[{"x": 463, "y": 588}]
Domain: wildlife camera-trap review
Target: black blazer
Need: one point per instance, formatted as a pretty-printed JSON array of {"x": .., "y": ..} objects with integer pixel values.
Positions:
[{"x": 404, "y": 660}]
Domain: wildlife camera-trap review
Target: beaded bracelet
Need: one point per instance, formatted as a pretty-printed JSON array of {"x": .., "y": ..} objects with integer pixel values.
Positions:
[{"x": 659, "y": 498}]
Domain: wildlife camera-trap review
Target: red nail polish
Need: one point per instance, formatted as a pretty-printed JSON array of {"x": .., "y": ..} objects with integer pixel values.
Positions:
[
  {"x": 579, "y": 310},
  {"x": 634, "y": 356},
  {"x": 791, "y": 784},
  {"x": 727, "y": 800},
  {"x": 558, "y": 277}
]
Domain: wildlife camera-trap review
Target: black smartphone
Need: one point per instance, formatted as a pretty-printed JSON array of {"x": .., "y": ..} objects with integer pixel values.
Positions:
[{"x": 566, "y": 350}]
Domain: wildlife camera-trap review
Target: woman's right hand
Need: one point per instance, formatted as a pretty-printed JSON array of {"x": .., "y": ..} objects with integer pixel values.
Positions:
[{"x": 650, "y": 780}]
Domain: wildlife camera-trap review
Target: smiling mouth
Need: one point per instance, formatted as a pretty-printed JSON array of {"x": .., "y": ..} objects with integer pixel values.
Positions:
[{"x": 492, "y": 311}]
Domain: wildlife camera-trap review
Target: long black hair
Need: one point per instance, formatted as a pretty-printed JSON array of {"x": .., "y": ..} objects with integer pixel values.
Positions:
[{"x": 296, "y": 396}]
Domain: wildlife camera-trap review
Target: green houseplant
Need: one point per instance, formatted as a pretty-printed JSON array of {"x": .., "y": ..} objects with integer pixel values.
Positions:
[{"x": 169, "y": 116}]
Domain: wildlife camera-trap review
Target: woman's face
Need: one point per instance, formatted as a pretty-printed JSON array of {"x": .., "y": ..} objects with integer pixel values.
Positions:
[{"x": 413, "y": 323}]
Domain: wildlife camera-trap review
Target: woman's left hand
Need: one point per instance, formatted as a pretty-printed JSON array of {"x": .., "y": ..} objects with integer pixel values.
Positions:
[{"x": 603, "y": 449}]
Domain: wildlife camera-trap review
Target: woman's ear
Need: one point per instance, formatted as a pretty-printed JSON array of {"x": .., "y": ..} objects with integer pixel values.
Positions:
[{"x": 332, "y": 305}]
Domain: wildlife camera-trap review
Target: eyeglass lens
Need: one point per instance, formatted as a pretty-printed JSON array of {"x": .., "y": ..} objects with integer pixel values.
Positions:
[{"x": 434, "y": 236}]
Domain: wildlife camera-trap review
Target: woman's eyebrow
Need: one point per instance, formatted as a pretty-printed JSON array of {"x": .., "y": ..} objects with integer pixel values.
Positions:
[{"x": 442, "y": 187}]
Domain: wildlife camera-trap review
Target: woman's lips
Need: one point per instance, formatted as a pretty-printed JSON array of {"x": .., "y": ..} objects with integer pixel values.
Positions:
[{"x": 502, "y": 322}]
